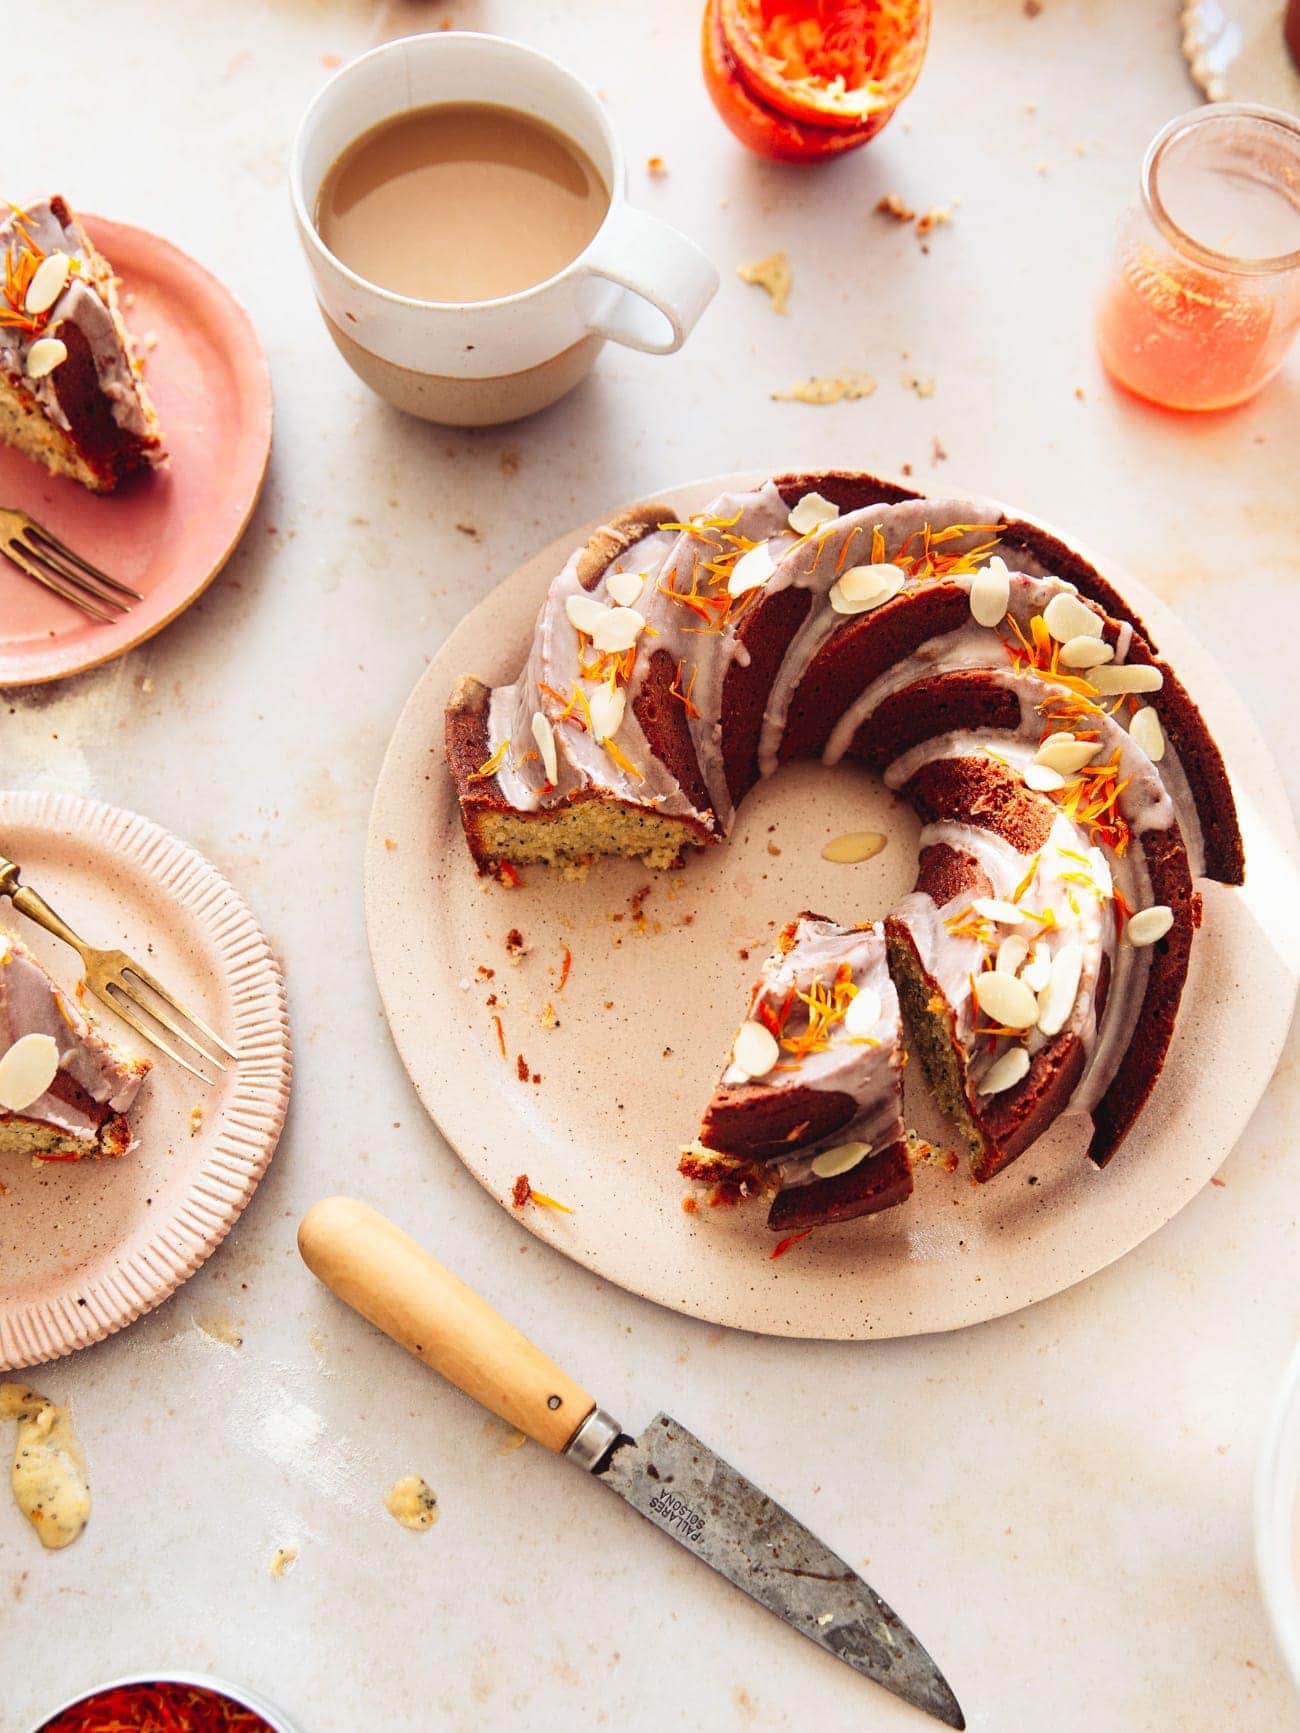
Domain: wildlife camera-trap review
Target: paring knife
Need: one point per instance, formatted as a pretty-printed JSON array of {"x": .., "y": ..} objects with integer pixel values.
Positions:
[{"x": 666, "y": 1474}]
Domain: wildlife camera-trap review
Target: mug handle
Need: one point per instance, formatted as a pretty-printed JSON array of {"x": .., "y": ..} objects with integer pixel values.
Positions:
[{"x": 665, "y": 279}]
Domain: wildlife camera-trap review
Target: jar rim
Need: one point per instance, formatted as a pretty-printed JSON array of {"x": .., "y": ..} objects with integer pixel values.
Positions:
[{"x": 1158, "y": 212}]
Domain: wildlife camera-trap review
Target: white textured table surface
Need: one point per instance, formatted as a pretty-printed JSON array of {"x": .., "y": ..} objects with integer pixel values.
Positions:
[{"x": 1059, "y": 1502}]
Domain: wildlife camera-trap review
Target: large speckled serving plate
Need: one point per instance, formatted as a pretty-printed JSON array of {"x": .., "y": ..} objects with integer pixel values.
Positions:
[
  {"x": 87, "y": 1247},
  {"x": 656, "y": 985}
]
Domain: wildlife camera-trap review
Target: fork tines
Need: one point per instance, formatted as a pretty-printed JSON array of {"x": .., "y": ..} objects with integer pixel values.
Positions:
[
  {"x": 52, "y": 563},
  {"x": 121, "y": 991}
]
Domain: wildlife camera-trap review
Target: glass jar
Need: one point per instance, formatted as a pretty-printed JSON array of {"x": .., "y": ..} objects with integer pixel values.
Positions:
[{"x": 1205, "y": 295}]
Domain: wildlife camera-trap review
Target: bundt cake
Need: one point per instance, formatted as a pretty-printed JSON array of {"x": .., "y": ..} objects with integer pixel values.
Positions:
[
  {"x": 1068, "y": 787},
  {"x": 72, "y": 391},
  {"x": 64, "y": 1091}
]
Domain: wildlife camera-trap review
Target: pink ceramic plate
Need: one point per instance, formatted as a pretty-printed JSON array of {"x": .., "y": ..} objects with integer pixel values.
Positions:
[
  {"x": 614, "y": 1077},
  {"x": 167, "y": 534},
  {"x": 86, "y": 1247}
]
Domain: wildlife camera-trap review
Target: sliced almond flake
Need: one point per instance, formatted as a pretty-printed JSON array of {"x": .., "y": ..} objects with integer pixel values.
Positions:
[
  {"x": 810, "y": 513},
  {"x": 1099, "y": 869},
  {"x": 863, "y": 587},
  {"x": 1126, "y": 677},
  {"x": 584, "y": 613},
  {"x": 990, "y": 593},
  {"x": 1037, "y": 971},
  {"x": 1042, "y": 778},
  {"x": 544, "y": 735},
  {"x": 840, "y": 1159},
  {"x": 1005, "y": 1072},
  {"x": 863, "y": 1012},
  {"x": 994, "y": 909},
  {"x": 754, "y": 1050},
  {"x": 1066, "y": 617},
  {"x": 752, "y": 569},
  {"x": 606, "y": 705},
  {"x": 1149, "y": 735},
  {"x": 625, "y": 587},
  {"x": 618, "y": 629},
  {"x": 1006, "y": 1000},
  {"x": 1085, "y": 652},
  {"x": 1056, "y": 1000},
  {"x": 1149, "y": 925},
  {"x": 49, "y": 280},
  {"x": 45, "y": 354},
  {"x": 854, "y": 846},
  {"x": 1011, "y": 953},
  {"x": 1067, "y": 756},
  {"x": 27, "y": 1070}
]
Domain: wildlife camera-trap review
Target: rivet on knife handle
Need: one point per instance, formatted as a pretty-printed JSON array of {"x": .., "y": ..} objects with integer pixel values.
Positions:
[{"x": 382, "y": 1273}]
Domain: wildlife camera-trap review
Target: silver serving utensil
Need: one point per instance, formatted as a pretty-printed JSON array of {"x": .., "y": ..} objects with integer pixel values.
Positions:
[{"x": 666, "y": 1474}]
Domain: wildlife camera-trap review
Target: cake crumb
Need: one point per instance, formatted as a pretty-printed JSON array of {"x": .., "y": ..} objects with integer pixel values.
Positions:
[
  {"x": 509, "y": 461},
  {"x": 1080, "y": 393},
  {"x": 470, "y": 530},
  {"x": 824, "y": 388},
  {"x": 412, "y": 1502},
  {"x": 282, "y": 1562},
  {"x": 1033, "y": 8},
  {"x": 893, "y": 205},
  {"x": 196, "y": 1119},
  {"x": 773, "y": 276},
  {"x": 484, "y": 973},
  {"x": 656, "y": 165},
  {"x": 515, "y": 945},
  {"x": 923, "y": 385},
  {"x": 773, "y": 848},
  {"x": 937, "y": 452},
  {"x": 933, "y": 218},
  {"x": 549, "y": 1019},
  {"x": 521, "y": 1068},
  {"x": 390, "y": 843},
  {"x": 221, "y": 1327},
  {"x": 523, "y": 1193},
  {"x": 690, "y": 1205}
]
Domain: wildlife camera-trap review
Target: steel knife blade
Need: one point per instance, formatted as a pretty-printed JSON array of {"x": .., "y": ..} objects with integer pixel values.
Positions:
[
  {"x": 676, "y": 1482},
  {"x": 667, "y": 1474}
]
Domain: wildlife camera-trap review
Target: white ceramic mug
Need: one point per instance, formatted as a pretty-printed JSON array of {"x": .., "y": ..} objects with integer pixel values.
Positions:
[{"x": 638, "y": 282}]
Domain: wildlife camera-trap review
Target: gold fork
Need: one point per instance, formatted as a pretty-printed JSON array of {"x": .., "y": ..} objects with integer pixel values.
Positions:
[
  {"x": 112, "y": 977},
  {"x": 41, "y": 556}
]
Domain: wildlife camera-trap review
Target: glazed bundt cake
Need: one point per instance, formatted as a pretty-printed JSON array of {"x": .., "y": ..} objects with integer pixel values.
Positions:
[{"x": 1069, "y": 790}]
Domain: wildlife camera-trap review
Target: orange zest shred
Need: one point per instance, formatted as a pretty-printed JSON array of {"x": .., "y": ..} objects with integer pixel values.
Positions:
[
  {"x": 676, "y": 690},
  {"x": 501, "y": 1034},
  {"x": 490, "y": 766},
  {"x": 826, "y": 1008},
  {"x": 624, "y": 763},
  {"x": 566, "y": 963},
  {"x": 541, "y": 1198},
  {"x": 783, "y": 1246}
]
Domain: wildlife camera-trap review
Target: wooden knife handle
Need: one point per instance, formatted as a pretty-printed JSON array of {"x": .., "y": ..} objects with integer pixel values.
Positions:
[{"x": 382, "y": 1273}]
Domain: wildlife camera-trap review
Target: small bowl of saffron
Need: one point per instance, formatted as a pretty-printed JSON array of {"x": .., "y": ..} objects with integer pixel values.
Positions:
[{"x": 166, "y": 1703}]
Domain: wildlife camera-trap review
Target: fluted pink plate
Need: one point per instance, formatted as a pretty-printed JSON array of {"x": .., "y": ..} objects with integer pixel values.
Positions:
[
  {"x": 168, "y": 533},
  {"x": 87, "y": 1247}
]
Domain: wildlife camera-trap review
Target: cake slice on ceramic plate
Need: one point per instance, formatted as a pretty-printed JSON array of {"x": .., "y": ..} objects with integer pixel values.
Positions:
[
  {"x": 65, "y": 1092},
  {"x": 810, "y": 1105},
  {"x": 72, "y": 392}
]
